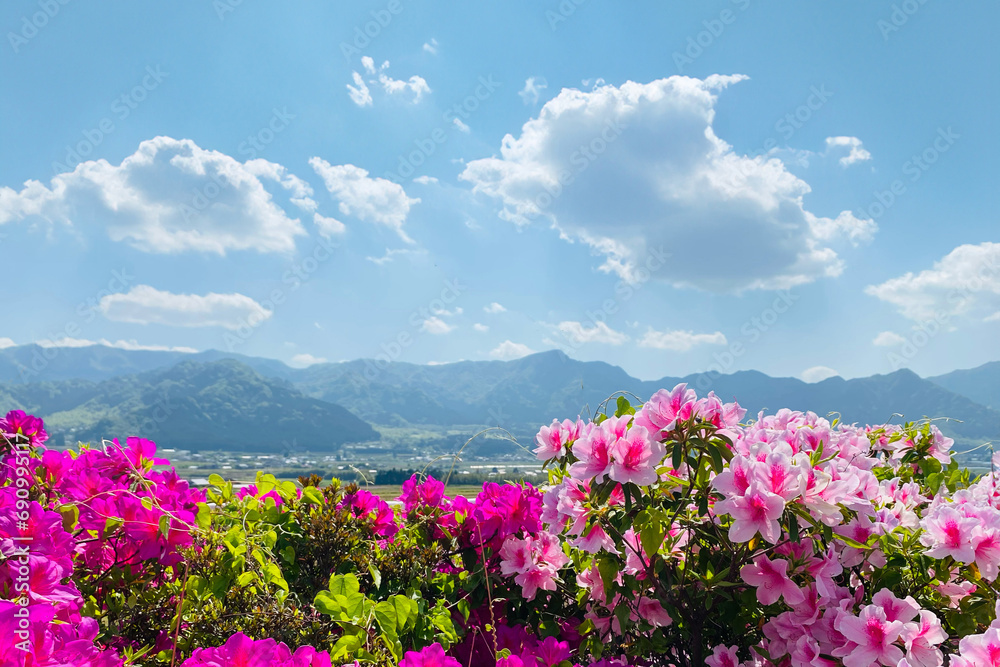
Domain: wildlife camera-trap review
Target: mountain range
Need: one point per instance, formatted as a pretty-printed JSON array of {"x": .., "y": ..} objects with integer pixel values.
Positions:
[{"x": 235, "y": 401}]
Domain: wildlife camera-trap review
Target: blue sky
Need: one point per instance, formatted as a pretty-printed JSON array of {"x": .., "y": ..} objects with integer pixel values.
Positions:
[{"x": 799, "y": 188}]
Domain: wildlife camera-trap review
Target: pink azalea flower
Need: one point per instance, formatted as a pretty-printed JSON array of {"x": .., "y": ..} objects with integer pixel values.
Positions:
[
  {"x": 723, "y": 656},
  {"x": 758, "y": 510},
  {"x": 978, "y": 650},
  {"x": 870, "y": 637},
  {"x": 553, "y": 439},
  {"x": 654, "y": 613},
  {"x": 922, "y": 640},
  {"x": 516, "y": 556},
  {"x": 948, "y": 532},
  {"x": 635, "y": 457},
  {"x": 660, "y": 413},
  {"x": 986, "y": 543},
  {"x": 896, "y": 609},
  {"x": 593, "y": 452},
  {"x": 771, "y": 579}
]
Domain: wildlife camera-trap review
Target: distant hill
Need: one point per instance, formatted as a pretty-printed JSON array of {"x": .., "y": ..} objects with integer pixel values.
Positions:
[
  {"x": 519, "y": 395},
  {"x": 981, "y": 384},
  {"x": 192, "y": 405}
]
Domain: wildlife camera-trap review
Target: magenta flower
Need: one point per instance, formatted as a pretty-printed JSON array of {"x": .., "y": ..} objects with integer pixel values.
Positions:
[
  {"x": 771, "y": 579},
  {"x": 19, "y": 427},
  {"x": 415, "y": 493},
  {"x": 432, "y": 656},
  {"x": 758, "y": 510}
]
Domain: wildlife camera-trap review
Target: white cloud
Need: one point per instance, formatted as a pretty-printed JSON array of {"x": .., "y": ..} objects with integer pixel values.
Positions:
[
  {"x": 462, "y": 127},
  {"x": 147, "y": 305},
  {"x": 376, "y": 200},
  {"x": 170, "y": 196},
  {"x": 431, "y": 47},
  {"x": 646, "y": 170},
  {"x": 368, "y": 63},
  {"x": 481, "y": 328},
  {"x": 533, "y": 88},
  {"x": 130, "y": 345},
  {"x": 679, "y": 341},
  {"x": 508, "y": 350},
  {"x": 304, "y": 360},
  {"x": 359, "y": 92},
  {"x": 6, "y": 342},
  {"x": 425, "y": 180},
  {"x": 436, "y": 326},
  {"x": 599, "y": 333},
  {"x": 494, "y": 308},
  {"x": 415, "y": 86},
  {"x": 818, "y": 374},
  {"x": 328, "y": 226},
  {"x": 389, "y": 256},
  {"x": 857, "y": 151},
  {"x": 965, "y": 282},
  {"x": 888, "y": 339}
]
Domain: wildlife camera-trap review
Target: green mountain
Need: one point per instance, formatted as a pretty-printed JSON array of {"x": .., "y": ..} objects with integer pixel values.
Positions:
[
  {"x": 981, "y": 384},
  {"x": 191, "y": 405},
  {"x": 519, "y": 395}
]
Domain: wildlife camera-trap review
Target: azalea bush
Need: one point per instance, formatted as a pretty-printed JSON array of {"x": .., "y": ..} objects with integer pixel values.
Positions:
[{"x": 674, "y": 532}]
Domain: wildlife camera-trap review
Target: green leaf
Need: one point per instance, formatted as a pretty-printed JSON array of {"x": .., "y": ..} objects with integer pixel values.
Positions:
[
  {"x": 245, "y": 579},
  {"x": 312, "y": 495},
  {"x": 216, "y": 480},
  {"x": 376, "y": 575},
  {"x": 344, "y": 584},
  {"x": 385, "y": 614},
  {"x": 204, "y": 516},
  {"x": 677, "y": 456},
  {"x": 288, "y": 553},
  {"x": 651, "y": 537},
  {"x": 70, "y": 516},
  {"x": 164, "y": 526}
]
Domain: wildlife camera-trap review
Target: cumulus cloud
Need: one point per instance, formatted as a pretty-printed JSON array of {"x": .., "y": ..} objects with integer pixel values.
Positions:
[
  {"x": 375, "y": 200},
  {"x": 328, "y": 226},
  {"x": 888, "y": 339},
  {"x": 359, "y": 93},
  {"x": 857, "y": 152},
  {"x": 965, "y": 283},
  {"x": 389, "y": 256},
  {"x": 532, "y": 90},
  {"x": 818, "y": 374},
  {"x": 578, "y": 334},
  {"x": 305, "y": 360},
  {"x": 623, "y": 169},
  {"x": 481, "y": 328},
  {"x": 425, "y": 180},
  {"x": 170, "y": 196},
  {"x": 130, "y": 345},
  {"x": 431, "y": 47},
  {"x": 412, "y": 89},
  {"x": 147, "y": 305},
  {"x": 435, "y": 325},
  {"x": 460, "y": 126},
  {"x": 6, "y": 342},
  {"x": 494, "y": 308},
  {"x": 508, "y": 350},
  {"x": 679, "y": 341}
]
